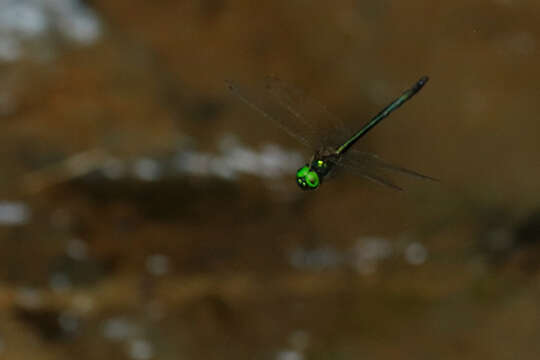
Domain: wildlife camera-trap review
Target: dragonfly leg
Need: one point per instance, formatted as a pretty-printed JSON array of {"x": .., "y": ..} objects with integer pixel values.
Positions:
[{"x": 312, "y": 160}]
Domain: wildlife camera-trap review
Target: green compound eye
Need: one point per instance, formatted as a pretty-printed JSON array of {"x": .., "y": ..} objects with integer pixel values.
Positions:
[
  {"x": 302, "y": 172},
  {"x": 312, "y": 179},
  {"x": 307, "y": 179}
]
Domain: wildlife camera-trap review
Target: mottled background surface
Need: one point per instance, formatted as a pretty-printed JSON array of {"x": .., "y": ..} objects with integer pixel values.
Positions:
[{"x": 146, "y": 213}]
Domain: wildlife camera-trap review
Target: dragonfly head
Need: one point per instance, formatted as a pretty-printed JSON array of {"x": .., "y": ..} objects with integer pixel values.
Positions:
[{"x": 307, "y": 178}]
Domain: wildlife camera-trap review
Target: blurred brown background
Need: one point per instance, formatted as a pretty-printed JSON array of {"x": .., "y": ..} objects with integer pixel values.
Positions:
[{"x": 146, "y": 213}]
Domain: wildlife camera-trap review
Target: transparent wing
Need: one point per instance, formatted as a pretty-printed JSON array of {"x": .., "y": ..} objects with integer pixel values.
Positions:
[
  {"x": 301, "y": 117},
  {"x": 325, "y": 129},
  {"x": 357, "y": 158},
  {"x": 374, "y": 168},
  {"x": 382, "y": 181},
  {"x": 272, "y": 111},
  {"x": 368, "y": 172}
]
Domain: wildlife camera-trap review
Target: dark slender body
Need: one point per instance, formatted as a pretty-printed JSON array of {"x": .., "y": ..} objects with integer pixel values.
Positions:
[
  {"x": 324, "y": 161},
  {"x": 384, "y": 113}
]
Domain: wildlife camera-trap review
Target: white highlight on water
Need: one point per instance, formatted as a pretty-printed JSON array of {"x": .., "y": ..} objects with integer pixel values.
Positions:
[
  {"x": 13, "y": 213},
  {"x": 27, "y": 22}
]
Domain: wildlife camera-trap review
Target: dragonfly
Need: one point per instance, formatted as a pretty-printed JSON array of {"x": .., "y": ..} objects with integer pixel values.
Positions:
[{"x": 330, "y": 140}]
